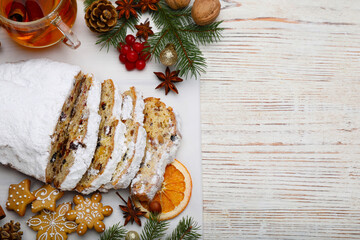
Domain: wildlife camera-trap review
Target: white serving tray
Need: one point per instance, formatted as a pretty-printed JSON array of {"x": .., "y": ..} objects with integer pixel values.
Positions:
[{"x": 105, "y": 65}]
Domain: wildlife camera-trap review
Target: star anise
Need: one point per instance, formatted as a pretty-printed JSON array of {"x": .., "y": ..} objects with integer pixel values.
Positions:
[
  {"x": 126, "y": 8},
  {"x": 169, "y": 78},
  {"x": 148, "y": 4},
  {"x": 131, "y": 213},
  {"x": 144, "y": 30}
]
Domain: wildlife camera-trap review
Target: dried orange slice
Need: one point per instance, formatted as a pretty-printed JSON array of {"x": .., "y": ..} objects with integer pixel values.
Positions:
[{"x": 175, "y": 192}]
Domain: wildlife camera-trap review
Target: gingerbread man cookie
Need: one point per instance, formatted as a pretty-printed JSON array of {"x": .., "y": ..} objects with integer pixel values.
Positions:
[
  {"x": 19, "y": 197},
  {"x": 52, "y": 225},
  {"x": 46, "y": 198},
  {"x": 89, "y": 213}
]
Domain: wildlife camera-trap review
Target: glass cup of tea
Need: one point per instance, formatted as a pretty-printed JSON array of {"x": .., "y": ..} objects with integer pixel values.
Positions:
[{"x": 39, "y": 23}]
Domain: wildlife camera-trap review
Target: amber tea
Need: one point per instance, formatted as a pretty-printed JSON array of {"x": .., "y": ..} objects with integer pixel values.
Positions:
[{"x": 37, "y": 23}]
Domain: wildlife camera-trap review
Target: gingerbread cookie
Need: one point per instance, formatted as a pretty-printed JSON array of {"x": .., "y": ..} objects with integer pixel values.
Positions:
[
  {"x": 52, "y": 225},
  {"x": 19, "y": 197},
  {"x": 89, "y": 213},
  {"x": 2, "y": 213},
  {"x": 46, "y": 198}
]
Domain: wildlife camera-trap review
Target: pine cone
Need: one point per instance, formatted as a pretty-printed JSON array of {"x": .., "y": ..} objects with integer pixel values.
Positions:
[
  {"x": 10, "y": 231},
  {"x": 101, "y": 16}
]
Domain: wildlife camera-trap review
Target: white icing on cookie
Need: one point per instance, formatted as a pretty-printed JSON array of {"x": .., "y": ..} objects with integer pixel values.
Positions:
[
  {"x": 53, "y": 225},
  {"x": 43, "y": 194}
]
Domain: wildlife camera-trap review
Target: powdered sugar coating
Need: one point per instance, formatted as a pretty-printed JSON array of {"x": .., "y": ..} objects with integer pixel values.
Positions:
[
  {"x": 84, "y": 155},
  {"x": 126, "y": 111},
  {"x": 140, "y": 145},
  {"x": 139, "y": 108},
  {"x": 134, "y": 150},
  {"x": 119, "y": 140},
  {"x": 130, "y": 111},
  {"x": 127, "y": 108},
  {"x": 31, "y": 94},
  {"x": 168, "y": 153}
]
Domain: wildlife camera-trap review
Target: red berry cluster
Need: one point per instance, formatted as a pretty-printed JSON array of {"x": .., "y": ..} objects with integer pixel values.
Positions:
[{"x": 133, "y": 53}]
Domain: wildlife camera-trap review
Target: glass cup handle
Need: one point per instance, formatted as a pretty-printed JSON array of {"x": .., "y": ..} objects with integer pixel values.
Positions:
[{"x": 70, "y": 39}]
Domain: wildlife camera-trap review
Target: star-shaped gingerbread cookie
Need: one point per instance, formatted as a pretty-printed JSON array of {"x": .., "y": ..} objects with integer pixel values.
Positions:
[
  {"x": 19, "y": 197},
  {"x": 89, "y": 213},
  {"x": 53, "y": 225},
  {"x": 46, "y": 198}
]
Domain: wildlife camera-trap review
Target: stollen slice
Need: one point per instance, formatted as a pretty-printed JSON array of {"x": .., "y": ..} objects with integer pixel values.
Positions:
[
  {"x": 110, "y": 140},
  {"x": 135, "y": 140},
  {"x": 67, "y": 165},
  {"x": 163, "y": 140}
]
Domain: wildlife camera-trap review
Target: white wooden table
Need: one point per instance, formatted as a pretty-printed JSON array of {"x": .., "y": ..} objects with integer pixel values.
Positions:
[{"x": 280, "y": 108}]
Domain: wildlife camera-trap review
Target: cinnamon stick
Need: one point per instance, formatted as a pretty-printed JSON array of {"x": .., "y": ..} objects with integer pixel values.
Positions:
[
  {"x": 33, "y": 10},
  {"x": 2, "y": 213},
  {"x": 17, "y": 11}
]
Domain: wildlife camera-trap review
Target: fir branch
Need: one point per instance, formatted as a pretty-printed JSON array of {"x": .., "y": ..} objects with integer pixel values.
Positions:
[
  {"x": 118, "y": 33},
  {"x": 203, "y": 34},
  {"x": 185, "y": 230},
  {"x": 157, "y": 42},
  {"x": 154, "y": 229},
  {"x": 177, "y": 27},
  {"x": 167, "y": 17},
  {"x": 116, "y": 232},
  {"x": 190, "y": 58},
  {"x": 87, "y": 3}
]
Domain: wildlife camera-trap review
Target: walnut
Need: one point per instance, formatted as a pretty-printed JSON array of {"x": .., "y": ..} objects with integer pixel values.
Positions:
[
  {"x": 205, "y": 12},
  {"x": 177, "y": 4}
]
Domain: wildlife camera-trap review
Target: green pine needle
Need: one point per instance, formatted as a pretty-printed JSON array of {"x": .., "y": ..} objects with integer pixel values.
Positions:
[
  {"x": 185, "y": 230},
  {"x": 154, "y": 229},
  {"x": 116, "y": 232},
  {"x": 177, "y": 27},
  {"x": 203, "y": 34},
  {"x": 118, "y": 33},
  {"x": 166, "y": 17},
  {"x": 87, "y": 3}
]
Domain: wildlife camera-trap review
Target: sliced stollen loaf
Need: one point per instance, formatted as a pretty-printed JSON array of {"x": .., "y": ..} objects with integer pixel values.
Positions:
[
  {"x": 60, "y": 134},
  {"x": 67, "y": 165},
  {"x": 110, "y": 140},
  {"x": 32, "y": 94},
  {"x": 132, "y": 152},
  {"x": 163, "y": 139}
]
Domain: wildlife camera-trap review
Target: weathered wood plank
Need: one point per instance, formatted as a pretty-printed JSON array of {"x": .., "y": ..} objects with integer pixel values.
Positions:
[{"x": 280, "y": 122}]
